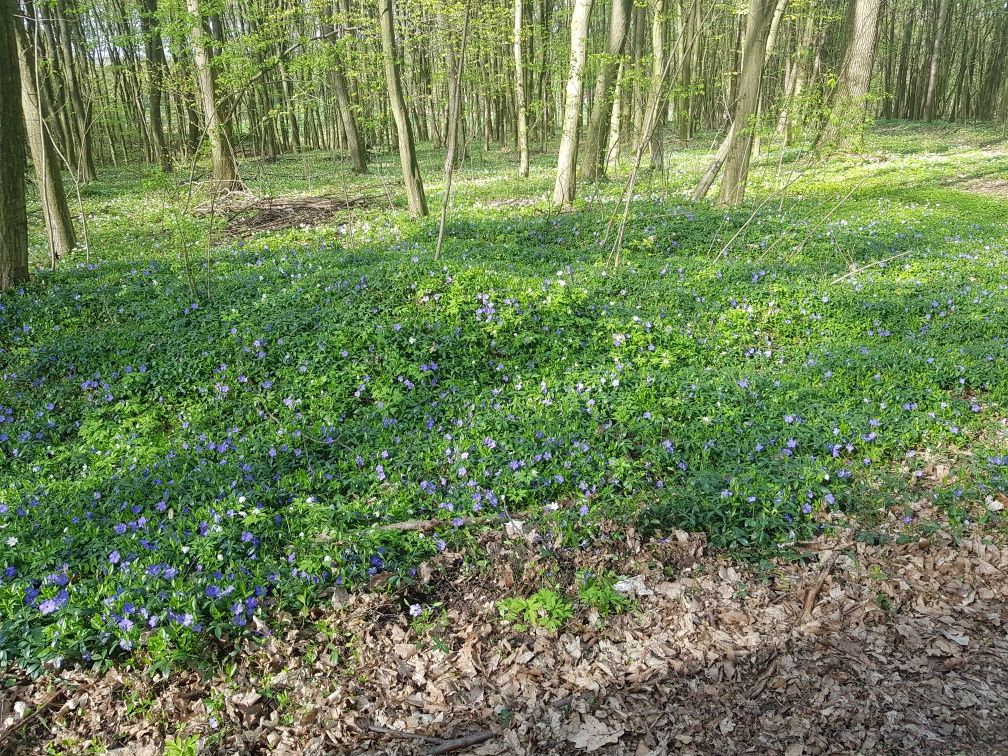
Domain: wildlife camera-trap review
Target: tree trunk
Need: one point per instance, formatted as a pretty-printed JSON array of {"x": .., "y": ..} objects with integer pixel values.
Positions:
[
  {"x": 59, "y": 224},
  {"x": 902, "y": 83},
  {"x": 355, "y": 141},
  {"x": 156, "y": 64},
  {"x": 565, "y": 188},
  {"x": 794, "y": 83},
  {"x": 13, "y": 218},
  {"x": 407, "y": 154},
  {"x": 745, "y": 118},
  {"x": 932, "y": 90},
  {"x": 225, "y": 170},
  {"x": 520, "y": 95},
  {"x": 82, "y": 110},
  {"x": 846, "y": 126},
  {"x": 707, "y": 180},
  {"x": 685, "y": 44},
  {"x": 639, "y": 96},
  {"x": 453, "y": 130},
  {"x": 656, "y": 98},
  {"x": 594, "y": 161},
  {"x": 615, "y": 122}
]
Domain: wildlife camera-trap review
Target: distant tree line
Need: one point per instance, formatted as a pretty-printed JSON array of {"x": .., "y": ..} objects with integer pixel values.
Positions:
[{"x": 89, "y": 83}]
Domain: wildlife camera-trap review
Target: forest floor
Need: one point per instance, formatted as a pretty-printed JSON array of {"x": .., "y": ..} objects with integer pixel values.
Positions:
[{"x": 276, "y": 480}]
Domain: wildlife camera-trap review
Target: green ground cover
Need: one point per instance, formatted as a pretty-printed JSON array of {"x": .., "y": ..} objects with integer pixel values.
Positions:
[{"x": 185, "y": 449}]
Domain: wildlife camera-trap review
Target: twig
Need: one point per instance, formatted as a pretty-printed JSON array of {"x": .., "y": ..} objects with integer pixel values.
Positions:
[
  {"x": 410, "y": 526},
  {"x": 21, "y": 723},
  {"x": 441, "y": 745},
  {"x": 453, "y": 117},
  {"x": 813, "y": 592},
  {"x": 403, "y": 735},
  {"x": 869, "y": 265},
  {"x": 450, "y": 746}
]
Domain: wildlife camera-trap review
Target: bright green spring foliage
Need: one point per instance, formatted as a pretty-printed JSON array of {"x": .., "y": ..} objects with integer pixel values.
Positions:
[{"x": 184, "y": 450}]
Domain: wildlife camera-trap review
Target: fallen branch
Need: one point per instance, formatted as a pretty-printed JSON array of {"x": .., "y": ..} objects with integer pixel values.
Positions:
[
  {"x": 450, "y": 746},
  {"x": 409, "y": 526},
  {"x": 813, "y": 593},
  {"x": 403, "y": 735},
  {"x": 441, "y": 745},
  {"x": 22, "y": 723},
  {"x": 869, "y": 265},
  {"x": 245, "y": 213},
  {"x": 413, "y": 525}
]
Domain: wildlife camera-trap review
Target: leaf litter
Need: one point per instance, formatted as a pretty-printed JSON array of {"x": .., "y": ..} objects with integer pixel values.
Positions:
[{"x": 859, "y": 647}]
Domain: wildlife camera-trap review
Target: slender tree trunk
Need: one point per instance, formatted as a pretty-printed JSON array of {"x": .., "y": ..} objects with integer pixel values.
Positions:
[
  {"x": 736, "y": 170},
  {"x": 685, "y": 45},
  {"x": 539, "y": 69},
  {"x": 639, "y": 101},
  {"x": 82, "y": 110},
  {"x": 707, "y": 180},
  {"x": 794, "y": 83},
  {"x": 771, "y": 42},
  {"x": 225, "y": 169},
  {"x": 453, "y": 119},
  {"x": 13, "y": 217},
  {"x": 902, "y": 72},
  {"x": 156, "y": 64},
  {"x": 523, "y": 156},
  {"x": 565, "y": 188},
  {"x": 936, "y": 49},
  {"x": 454, "y": 98},
  {"x": 959, "y": 99},
  {"x": 593, "y": 163},
  {"x": 407, "y": 154},
  {"x": 355, "y": 141},
  {"x": 615, "y": 122},
  {"x": 56, "y": 212},
  {"x": 656, "y": 98}
]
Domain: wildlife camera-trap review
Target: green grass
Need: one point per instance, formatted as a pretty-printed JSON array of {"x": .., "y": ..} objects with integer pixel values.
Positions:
[{"x": 198, "y": 435}]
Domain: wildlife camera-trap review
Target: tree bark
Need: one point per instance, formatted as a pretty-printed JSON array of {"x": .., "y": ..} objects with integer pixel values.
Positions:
[
  {"x": 225, "y": 169},
  {"x": 745, "y": 118},
  {"x": 936, "y": 49},
  {"x": 656, "y": 97},
  {"x": 355, "y": 141},
  {"x": 407, "y": 153},
  {"x": 520, "y": 94},
  {"x": 846, "y": 125},
  {"x": 37, "y": 116},
  {"x": 612, "y": 153},
  {"x": 13, "y": 217},
  {"x": 82, "y": 110},
  {"x": 565, "y": 188},
  {"x": 453, "y": 130},
  {"x": 685, "y": 44},
  {"x": 707, "y": 180},
  {"x": 794, "y": 82},
  {"x": 156, "y": 64},
  {"x": 594, "y": 161}
]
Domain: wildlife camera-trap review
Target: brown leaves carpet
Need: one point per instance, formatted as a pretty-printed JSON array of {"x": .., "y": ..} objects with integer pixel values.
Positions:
[{"x": 859, "y": 649}]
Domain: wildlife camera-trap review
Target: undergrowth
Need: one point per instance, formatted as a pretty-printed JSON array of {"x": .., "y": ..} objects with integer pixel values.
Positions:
[{"x": 191, "y": 440}]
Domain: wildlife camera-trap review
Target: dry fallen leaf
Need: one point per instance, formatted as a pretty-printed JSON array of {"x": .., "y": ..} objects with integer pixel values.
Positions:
[
  {"x": 593, "y": 734},
  {"x": 633, "y": 587}
]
